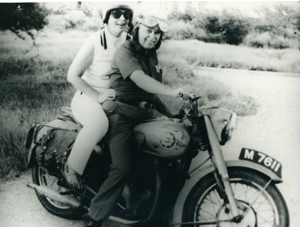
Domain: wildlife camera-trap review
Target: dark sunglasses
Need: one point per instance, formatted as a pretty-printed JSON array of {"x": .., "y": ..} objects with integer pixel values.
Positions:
[{"x": 118, "y": 13}]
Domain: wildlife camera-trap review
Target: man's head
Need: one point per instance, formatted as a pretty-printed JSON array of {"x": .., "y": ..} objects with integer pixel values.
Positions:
[{"x": 149, "y": 31}]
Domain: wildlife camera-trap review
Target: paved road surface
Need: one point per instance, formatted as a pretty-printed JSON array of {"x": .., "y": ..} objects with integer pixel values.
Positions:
[{"x": 275, "y": 129}]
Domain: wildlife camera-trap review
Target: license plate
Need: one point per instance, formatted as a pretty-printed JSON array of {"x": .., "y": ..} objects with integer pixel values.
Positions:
[{"x": 261, "y": 159}]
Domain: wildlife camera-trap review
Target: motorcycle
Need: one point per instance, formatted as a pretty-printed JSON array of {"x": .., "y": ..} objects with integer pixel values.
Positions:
[{"x": 180, "y": 177}]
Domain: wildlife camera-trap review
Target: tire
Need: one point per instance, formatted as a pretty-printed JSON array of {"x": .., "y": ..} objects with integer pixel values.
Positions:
[
  {"x": 40, "y": 177},
  {"x": 269, "y": 209}
]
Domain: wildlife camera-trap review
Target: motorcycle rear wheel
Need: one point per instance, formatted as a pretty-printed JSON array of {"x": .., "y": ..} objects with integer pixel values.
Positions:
[
  {"x": 269, "y": 210},
  {"x": 41, "y": 177}
]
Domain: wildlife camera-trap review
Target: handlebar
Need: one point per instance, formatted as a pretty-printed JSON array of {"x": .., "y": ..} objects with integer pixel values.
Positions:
[
  {"x": 190, "y": 109},
  {"x": 191, "y": 97}
]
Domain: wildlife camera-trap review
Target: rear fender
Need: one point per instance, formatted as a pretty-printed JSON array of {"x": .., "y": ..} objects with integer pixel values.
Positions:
[
  {"x": 31, "y": 155},
  {"x": 201, "y": 173},
  {"x": 31, "y": 144},
  {"x": 33, "y": 141}
]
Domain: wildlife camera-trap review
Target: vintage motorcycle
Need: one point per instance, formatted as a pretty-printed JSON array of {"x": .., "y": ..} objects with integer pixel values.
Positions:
[{"x": 180, "y": 177}]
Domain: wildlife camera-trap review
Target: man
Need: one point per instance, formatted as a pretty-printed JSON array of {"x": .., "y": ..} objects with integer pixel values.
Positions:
[{"x": 136, "y": 77}]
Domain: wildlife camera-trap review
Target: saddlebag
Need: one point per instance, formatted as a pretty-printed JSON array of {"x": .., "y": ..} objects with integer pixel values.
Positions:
[{"x": 51, "y": 142}]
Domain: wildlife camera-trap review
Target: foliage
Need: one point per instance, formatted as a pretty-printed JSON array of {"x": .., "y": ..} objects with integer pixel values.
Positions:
[
  {"x": 186, "y": 16},
  {"x": 73, "y": 19},
  {"x": 258, "y": 41},
  {"x": 234, "y": 28},
  {"x": 280, "y": 24},
  {"x": 180, "y": 30},
  {"x": 278, "y": 28},
  {"x": 25, "y": 17},
  {"x": 227, "y": 27},
  {"x": 209, "y": 27},
  {"x": 281, "y": 17}
]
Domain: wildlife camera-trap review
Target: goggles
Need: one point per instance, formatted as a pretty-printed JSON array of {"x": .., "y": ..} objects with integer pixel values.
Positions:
[
  {"x": 152, "y": 22},
  {"x": 118, "y": 13}
]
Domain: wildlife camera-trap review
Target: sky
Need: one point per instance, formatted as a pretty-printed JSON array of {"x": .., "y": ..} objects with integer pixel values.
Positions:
[{"x": 246, "y": 7}]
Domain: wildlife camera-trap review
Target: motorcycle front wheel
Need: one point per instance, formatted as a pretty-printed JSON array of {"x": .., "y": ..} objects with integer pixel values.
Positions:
[
  {"x": 41, "y": 177},
  {"x": 265, "y": 207}
]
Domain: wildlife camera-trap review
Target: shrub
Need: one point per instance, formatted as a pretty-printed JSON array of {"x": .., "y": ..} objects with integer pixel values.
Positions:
[
  {"x": 265, "y": 40},
  {"x": 234, "y": 28},
  {"x": 258, "y": 41},
  {"x": 278, "y": 42},
  {"x": 222, "y": 28},
  {"x": 73, "y": 19},
  {"x": 208, "y": 37},
  {"x": 186, "y": 16},
  {"x": 180, "y": 30}
]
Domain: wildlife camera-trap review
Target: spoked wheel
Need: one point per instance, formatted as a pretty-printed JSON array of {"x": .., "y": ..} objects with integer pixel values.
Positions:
[
  {"x": 41, "y": 177},
  {"x": 261, "y": 208}
]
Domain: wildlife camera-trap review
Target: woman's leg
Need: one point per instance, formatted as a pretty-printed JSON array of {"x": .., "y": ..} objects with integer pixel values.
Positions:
[{"x": 95, "y": 125}]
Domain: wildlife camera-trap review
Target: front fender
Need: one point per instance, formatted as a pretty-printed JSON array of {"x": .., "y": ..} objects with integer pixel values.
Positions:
[{"x": 197, "y": 176}]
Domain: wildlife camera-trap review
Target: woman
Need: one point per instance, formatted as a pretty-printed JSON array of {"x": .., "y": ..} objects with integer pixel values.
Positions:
[
  {"x": 94, "y": 59},
  {"x": 136, "y": 78}
]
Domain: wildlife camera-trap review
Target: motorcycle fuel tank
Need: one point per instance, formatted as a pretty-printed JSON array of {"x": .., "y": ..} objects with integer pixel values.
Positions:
[{"x": 166, "y": 138}]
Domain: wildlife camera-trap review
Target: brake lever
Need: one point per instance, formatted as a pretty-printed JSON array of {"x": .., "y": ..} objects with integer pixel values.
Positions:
[{"x": 194, "y": 97}]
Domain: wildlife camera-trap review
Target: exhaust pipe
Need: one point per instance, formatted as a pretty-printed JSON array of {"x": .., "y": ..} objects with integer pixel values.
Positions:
[{"x": 55, "y": 195}]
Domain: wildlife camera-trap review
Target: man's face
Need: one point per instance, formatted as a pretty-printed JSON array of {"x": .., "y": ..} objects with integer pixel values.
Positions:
[{"x": 148, "y": 37}]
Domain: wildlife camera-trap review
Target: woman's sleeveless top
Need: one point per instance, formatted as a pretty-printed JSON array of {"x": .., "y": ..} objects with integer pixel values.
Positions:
[{"x": 105, "y": 46}]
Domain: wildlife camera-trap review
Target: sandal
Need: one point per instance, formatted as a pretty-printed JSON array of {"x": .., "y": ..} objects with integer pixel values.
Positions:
[{"x": 71, "y": 177}]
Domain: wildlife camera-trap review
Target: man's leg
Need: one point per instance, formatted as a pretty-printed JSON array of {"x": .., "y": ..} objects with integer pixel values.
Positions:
[{"x": 121, "y": 144}]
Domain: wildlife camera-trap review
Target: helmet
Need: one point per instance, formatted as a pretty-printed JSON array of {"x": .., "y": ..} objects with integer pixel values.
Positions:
[
  {"x": 108, "y": 9},
  {"x": 154, "y": 17},
  {"x": 153, "y": 21}
]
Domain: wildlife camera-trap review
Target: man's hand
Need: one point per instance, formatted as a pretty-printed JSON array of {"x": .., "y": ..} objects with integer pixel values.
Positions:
[
  {"x": 183, "y": 92},
  {"x": 109, "y": 94}
]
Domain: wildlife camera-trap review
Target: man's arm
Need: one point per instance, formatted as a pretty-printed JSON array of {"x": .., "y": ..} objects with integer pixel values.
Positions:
[
  {"x": 150, "y": 85},
  {"x": 161, "y": 107}
]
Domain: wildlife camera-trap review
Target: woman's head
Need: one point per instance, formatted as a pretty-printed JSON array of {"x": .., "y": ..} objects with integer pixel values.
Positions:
[
  {"x": 149, "y": 31},
  {"x": 117, "y": 18}
]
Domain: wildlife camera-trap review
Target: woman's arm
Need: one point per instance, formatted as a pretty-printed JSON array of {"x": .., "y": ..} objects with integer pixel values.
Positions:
[{"x": 80, "y": 63}]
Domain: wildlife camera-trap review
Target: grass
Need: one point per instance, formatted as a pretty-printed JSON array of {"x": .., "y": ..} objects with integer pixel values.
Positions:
[
  {"x": 34, "y": 85},
  {"x": 197, "y": 53}
]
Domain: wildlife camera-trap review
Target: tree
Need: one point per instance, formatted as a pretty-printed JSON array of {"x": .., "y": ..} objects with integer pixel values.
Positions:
[
  {"x": 227, "y": 27},
  {"x": 280, "y": 18},
  {"x": 234, "y": 27},
  {"x": 23, "y": 17}
]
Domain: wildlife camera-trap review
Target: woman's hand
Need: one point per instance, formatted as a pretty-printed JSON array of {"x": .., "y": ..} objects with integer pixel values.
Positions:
[{"x": 109, "y": 94}]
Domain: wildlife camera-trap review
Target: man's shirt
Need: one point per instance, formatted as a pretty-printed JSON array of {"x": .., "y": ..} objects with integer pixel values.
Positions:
[{"x": 127, "y": 59}]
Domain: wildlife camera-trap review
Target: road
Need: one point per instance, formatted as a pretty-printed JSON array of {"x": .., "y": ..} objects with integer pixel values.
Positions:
[{"x": 275, "y": 129}]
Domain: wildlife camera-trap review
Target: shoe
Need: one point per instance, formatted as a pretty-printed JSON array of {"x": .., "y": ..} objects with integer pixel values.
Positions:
[
  {"x": 128, "y": 214},
  {"x": 71, "y": 177},
  {"x": 93, "y": 223}
]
